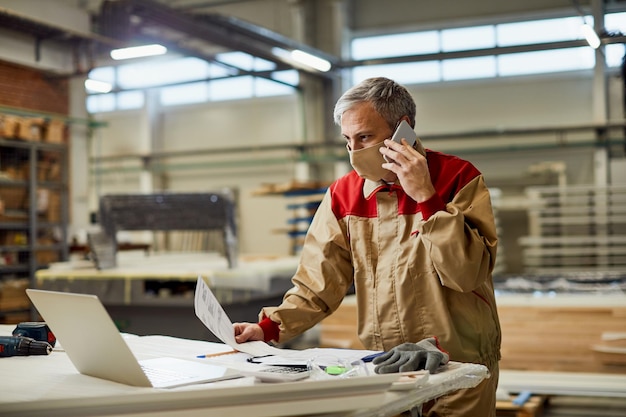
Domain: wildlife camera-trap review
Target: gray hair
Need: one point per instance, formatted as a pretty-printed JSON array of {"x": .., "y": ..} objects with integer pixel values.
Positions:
[{"x": 391, "y": 100}]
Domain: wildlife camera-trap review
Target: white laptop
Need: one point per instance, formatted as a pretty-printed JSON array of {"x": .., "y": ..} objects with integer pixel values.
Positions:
[{"x": 96, "y": 348}]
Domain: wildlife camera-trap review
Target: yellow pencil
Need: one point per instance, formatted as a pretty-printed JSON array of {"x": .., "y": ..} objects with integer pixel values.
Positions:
[{"x": 213, "y": 355}]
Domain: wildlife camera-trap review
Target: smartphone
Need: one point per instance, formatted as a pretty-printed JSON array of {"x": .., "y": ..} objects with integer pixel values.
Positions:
[{"x": 404, "y": 130}]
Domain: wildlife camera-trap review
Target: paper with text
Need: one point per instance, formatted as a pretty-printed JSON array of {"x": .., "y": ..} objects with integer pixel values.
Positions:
[{"x": 213, "y": 316}]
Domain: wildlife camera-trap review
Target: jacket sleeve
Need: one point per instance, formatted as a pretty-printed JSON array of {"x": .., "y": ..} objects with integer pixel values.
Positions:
[
  {"x": 322, "y": 279},
  {"x": 462, "y": 240}
]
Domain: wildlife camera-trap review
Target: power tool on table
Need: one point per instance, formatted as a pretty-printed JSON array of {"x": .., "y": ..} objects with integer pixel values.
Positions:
[
  {"x": 36, "y": 330},
  {"x": 29, "y": 338}
]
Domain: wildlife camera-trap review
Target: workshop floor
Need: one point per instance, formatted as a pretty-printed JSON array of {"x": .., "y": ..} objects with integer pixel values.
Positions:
[{"x": 562, "y": 406}]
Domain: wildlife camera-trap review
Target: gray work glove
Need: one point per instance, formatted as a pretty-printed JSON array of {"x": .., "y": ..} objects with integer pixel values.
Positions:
[{"x": 411, "y": 357}]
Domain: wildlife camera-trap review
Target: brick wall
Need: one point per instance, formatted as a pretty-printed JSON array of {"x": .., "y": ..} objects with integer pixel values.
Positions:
[{"x": 30, "y": 89}]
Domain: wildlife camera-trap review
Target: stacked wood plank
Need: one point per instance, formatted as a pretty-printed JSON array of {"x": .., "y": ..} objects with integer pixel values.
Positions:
[{"x": 559, "y": 338}]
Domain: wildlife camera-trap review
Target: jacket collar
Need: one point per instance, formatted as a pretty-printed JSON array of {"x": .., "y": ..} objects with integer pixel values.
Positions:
[{"x": 372, "y": 187}]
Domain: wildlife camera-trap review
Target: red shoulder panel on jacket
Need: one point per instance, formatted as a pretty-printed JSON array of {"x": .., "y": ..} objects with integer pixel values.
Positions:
[{"x": 448, "y": 173}]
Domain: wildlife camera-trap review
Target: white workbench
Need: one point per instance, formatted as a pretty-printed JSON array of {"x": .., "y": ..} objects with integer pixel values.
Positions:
[
  {"x": 127, "y": 291},
  {"x": 50, "y": 386},
  {"x": 250, "y": 274}
]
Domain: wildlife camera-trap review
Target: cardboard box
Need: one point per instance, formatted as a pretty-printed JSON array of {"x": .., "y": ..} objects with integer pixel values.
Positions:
[
  {"x": 55, "y": 131},
  {"x": 29, "y": 128},
  {"x": 54, "y": 207},
  {"x": 8, "y": 126},
  {"x": 48, "y": 170},
  {"x": 14, "y": 198}
]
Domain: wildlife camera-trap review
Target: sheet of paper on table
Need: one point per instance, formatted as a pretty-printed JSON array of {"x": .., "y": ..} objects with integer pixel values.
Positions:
[{"x": 211, "y": 313}]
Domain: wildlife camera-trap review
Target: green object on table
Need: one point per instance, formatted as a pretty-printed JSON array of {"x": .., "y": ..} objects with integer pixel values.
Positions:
[{"x": 335, "y": 370}]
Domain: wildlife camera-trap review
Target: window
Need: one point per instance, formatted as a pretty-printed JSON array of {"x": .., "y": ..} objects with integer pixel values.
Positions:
[
  {"x": 184, "y": 94},
  {"x": 99, "y": 103},
  {"x": 288, "y": 76},
  {"x": 615, "y": 22},
  {"x": 151, "y": 74},
  {"x": 231, "y": 88},
  {"x": 614, "y": 54},
  {"x": 265, "y": 88},
  {"x": 539, "y": 31},
  {"x": 412, "y": 72},
  {"x": 484, "y": 37},
  {"x": 464, "y": 39},
  {"x": 546, "y": 61},
  {"x": 395, "y": 45},
  {"x": 104, "y": 74},
  {"x": 468, "y": 68},
  {"x": 174, "y": 80},
  {"x": 127, "y": 100},
  {"x": 245, "y": 61}
]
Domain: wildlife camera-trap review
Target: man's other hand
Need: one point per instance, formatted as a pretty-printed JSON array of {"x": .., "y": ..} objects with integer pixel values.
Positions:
[{"x": 247, "y": 332}]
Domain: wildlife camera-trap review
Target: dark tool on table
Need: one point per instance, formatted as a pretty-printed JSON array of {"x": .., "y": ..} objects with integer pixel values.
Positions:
[
  {"x": 23, "y": 346},
  {"x": 35, "y": 330}
]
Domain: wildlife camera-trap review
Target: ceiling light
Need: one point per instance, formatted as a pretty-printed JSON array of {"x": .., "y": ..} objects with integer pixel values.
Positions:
[
  {"x": 591, "y": 36},
  {"x": 95, "y": 86},
  {"x": 138, "y": 51},
  {"x": 302, "y": 59},
  {"x": 310, "y": 60}
]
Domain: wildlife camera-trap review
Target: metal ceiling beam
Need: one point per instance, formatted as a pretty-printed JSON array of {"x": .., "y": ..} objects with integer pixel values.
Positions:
[{"x": 229, "y": 33}]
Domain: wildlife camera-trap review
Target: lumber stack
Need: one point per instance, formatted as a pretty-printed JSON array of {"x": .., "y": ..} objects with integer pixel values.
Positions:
[{"x": 560, "y": 338}]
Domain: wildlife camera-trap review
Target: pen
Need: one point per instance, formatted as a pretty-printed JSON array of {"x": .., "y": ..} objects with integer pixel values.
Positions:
[
  {"x": 371, "y": 357},
  {"x": 213, "y": 355}
]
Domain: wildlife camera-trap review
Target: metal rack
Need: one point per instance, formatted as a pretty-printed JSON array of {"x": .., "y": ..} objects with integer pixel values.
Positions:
[
  {"x": 168, "y": 212},
  {"x": 33, "y": 222},
  {"x": 573, "y": 229}
]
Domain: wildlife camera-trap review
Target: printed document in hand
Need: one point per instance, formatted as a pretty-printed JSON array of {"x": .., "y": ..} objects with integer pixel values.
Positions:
[{"x": 211, "y": 313}]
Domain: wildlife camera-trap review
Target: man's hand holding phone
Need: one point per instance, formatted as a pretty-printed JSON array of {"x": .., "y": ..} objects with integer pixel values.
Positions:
[
  {"x": 408, "y": 162},
  {"x": 403, "y": 131}
]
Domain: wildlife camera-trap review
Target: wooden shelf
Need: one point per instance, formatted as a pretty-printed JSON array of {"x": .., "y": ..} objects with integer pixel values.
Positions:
[{"x": 33, "y": 216}]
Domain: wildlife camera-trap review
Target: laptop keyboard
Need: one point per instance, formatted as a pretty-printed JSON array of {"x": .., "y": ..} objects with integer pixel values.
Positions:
[{"x": 159, "y": 376}]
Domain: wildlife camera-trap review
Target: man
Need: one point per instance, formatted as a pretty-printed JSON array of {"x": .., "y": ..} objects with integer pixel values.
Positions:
[{"x": 417, "y": 238}]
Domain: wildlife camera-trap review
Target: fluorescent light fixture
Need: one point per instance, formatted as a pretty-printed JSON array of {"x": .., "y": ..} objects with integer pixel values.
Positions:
[
  {"x": 591, "y": 36},
  {"x": 300, "y": 58},
  {"x": 138, "y": 51},
  {"x": 310, "y": 60},
  {"x": 95, "y": 86}
]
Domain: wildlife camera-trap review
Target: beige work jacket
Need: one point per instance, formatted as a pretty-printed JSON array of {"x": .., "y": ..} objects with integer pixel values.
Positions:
[{"x": 418, "y": 270}]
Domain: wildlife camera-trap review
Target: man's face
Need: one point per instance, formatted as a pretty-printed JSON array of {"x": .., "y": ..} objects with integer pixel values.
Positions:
[{"x": 362, "y": 127}]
